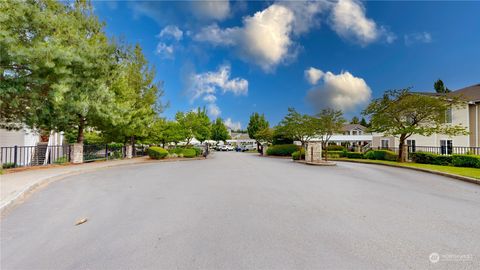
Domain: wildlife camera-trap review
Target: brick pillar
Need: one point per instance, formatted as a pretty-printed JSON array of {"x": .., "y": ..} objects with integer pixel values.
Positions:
[
  {"x": 128, "y": 151},
  {"x": 76, "y": 153}
]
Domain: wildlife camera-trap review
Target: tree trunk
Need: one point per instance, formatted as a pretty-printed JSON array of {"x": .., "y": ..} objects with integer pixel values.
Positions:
[
  {"x": 401, "y": 154},
  {"x": 81, "y": 127},
  {"x": 326, "y": 151}
]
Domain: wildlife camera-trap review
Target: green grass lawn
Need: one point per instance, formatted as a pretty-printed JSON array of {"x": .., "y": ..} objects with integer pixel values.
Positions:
[{"x": 469, "y": 172}]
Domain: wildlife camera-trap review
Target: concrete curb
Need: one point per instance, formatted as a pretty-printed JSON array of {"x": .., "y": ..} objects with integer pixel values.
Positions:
[
  {"x": 328, "y": 163},
  {"x": 27, "y": 191},
  {"x": 455, "y": 176}
]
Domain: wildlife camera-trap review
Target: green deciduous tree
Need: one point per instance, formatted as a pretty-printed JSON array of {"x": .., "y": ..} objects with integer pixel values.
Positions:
[
  {"x": 257, "y": 122},
  {"x": 219, "y": 130},
  {"x": 402, "y": 114},
  {"x": 195, "y": 124},
  {"x": 298, "y": 127},
  {"x": 329, "y": 122},
  {"x": 265, "y": 135}
]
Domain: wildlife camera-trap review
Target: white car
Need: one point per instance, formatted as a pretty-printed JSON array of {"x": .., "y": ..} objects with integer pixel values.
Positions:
[{"x": 229, "y": 148}]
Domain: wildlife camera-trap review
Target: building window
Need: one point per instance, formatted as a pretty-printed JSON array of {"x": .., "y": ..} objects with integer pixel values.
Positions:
[
  {"x": 411, "y": 145},
  {"x": 448, "y": 115},
  {"x": 354, "y": 132},
  {"x": 385, "y": 143},
  {"x": 446, "y": 147}
]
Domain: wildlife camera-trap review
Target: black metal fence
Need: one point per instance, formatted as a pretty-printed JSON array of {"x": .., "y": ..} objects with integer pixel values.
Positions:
[
  {"x": 439, "y": 150},
  {"x": 92, "y": 152},
  {"x": 19, "y": 156}
]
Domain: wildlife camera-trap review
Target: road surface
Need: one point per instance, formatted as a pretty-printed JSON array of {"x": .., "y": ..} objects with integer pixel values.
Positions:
[{"x": 241, "y": 211}]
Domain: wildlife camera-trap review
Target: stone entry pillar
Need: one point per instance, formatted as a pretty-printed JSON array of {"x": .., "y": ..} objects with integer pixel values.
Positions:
[
  {"x": 313, "y": 152},
  {"x": 128, "y": 151},
  {"x": 264, "y": 149},
  {"x": 76, "y": 153}
]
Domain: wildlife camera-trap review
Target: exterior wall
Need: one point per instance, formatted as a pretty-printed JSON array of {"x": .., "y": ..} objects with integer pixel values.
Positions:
[
  {"x": 23, "y": 137},
  {"x": 478, "y": 123},
  {"x": 472, "y": 115},
  {"x": 460, "y": 116}
]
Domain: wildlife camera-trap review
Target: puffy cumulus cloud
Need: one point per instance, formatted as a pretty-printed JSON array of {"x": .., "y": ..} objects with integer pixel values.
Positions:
[
  {"x": 306, "y": 14},
  {"x": 423, "y": 37},
  {"x": 340, "y": 91},
  {"x": 211, "y": 10},
  {"x": 349, "y": 21},
  {"x": 232, "y": 125},
  {"x": 264, "y": 38},
  {"x": 213, "y": 110},
  {"x": 171, "y": 31},
  {"x": 207, "y": 85},
  {"x": 209, "y": 82},
  {"x": 313, "y": 75},
  {"x": 165, "y": 51}
]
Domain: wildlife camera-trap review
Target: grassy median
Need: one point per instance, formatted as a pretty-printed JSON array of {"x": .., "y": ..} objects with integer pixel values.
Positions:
[{"x": 468, "y": 172}]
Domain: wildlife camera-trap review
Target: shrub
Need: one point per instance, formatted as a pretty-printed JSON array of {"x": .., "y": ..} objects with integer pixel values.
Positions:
[
  {"x": 8, "y": 165},
  {"x": 391, "y": 156},
  {"x": 466, "y": 161},
  {"x": 198, "y": 151},
  {"x": 336, "y": 154},
  {"x": 369, "y": 155},
  {"x": 429, "y": 158},
  {"x": 335, "y": 148},
  {"x": 354, "y": 155},
  {"x": 189, "y": 153},
  {"x": 61, "y": 160},
  {"x": 156, "y": 152},
  {"x": 296, "y": 154},
  {"x": 282, "y": 150}
]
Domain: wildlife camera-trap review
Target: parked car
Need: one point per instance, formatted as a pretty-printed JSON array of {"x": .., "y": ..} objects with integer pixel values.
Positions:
[{"x": 229, "y": 148}]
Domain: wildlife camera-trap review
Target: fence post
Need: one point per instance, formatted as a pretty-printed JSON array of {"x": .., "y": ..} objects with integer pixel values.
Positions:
[
  {"x": 15, "y": 156},
  {"x": 106, "y": 151}
]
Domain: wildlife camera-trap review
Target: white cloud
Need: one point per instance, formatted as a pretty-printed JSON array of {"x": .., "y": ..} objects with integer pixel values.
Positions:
[
  {"x": 210, "y": 98},
  {"x": 423, "y": 37},
  {"x": 350, "y": 22},
  {"x": 165, "y": 51},
  {"x": 233, "y": 125},
  {"x": 211, "y": 10},
  {"x": 305, "y": 14},
  {"x": 213, "y": 110},
  {"x": 264, "y": 38},
  {"x": 171, "y": 31},
  {"x": 205, "y": 84},
  {"x": 313, "y": 75},
  {"x": 340, "y": 91}
]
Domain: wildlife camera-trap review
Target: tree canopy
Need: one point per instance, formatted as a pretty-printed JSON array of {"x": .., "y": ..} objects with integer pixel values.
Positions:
[
  {"x": 440, "y": 87},
  {"x": 219, "y": 130},
  {"x": 257, "y": 122},
  {"x": 401, "y": 113}
]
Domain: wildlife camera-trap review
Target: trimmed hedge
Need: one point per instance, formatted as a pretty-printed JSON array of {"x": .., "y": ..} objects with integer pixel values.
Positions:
[
  {"x": 336, "y": 154},
  {"x": 189, "y": 153},
  {"x": 296, "y": 154},
  {"x": 156, "y": 152},
  {"x": 354, "y": 155},
  {"x": 335, "y": 148},
  {"x": 381, "y": 155},
  {"x": 282, "y": 149},
  {"x": 466, "y": 161},
  {"x": 429, "y": 158}
]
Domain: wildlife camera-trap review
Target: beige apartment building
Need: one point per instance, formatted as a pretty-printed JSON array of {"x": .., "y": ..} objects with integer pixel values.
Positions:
[{"x": 467, "y": 115}]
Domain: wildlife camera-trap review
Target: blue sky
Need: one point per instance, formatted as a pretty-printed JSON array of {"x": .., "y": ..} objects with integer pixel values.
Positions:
[{"x": 240, "y": 57}]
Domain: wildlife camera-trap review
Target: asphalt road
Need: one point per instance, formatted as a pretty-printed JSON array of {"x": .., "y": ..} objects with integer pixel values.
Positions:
[{"x": 241, "y": 211}]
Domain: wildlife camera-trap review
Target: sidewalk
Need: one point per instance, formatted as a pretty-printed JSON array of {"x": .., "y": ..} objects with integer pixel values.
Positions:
[{"x": 13, "y": 186}]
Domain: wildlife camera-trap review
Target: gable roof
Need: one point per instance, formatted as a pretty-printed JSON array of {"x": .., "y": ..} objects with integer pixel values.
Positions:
[
  {"x": 470, "y": 93},
  {"x": 348, "y": 127}
]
